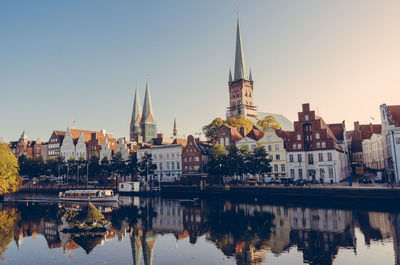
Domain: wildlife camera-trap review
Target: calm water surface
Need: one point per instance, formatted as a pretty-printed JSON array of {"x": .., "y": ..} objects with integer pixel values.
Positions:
[{"x": 161, "y": 231}]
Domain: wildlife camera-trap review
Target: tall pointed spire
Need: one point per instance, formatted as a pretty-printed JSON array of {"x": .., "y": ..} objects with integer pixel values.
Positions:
[
  {"x": 147, "y": 107},
  {"x": 175, "y": 131},
  {"x": 136, "y": 111},
  {"x": 240, "y": 66},
  {"x": 250, "y": 76},
  {"x": 23, "y": 135},
  {"x": 230, "y": 76}
]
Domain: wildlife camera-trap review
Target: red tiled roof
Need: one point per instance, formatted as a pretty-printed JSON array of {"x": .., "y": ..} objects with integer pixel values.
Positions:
[
  {"x": 337, "y": 129},
  {"x": 255, "y": 134},
  {"x": 394, "y": 115}
]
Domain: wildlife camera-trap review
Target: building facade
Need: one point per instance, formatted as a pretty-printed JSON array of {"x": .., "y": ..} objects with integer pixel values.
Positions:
[
  {"x": 195, "y": 157},
  {"x": 54, "y": 144},
  {"x": 168, "y": 159},
  {"x": 390, "y": 116},
  {"x": 372, "y": 150},
  {"x": 313, "y": 151}
]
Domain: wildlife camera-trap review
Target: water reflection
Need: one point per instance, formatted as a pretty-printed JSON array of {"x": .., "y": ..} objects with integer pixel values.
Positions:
[{"x": 244, "y": 233}]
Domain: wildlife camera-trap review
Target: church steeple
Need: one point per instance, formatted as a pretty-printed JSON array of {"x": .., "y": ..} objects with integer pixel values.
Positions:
[
  {"x": 240, "y": 66},
  {"x": 147, "y": 107},
  {"x": 230, "y": 76},
  {"x": 135, "y": 119},
  {"x": 148, "y": 124},
  {"x": 175, "y": 131}
]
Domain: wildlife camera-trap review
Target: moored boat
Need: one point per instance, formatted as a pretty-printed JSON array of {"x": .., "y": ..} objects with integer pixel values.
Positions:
[{"x": 88, "y": 195}]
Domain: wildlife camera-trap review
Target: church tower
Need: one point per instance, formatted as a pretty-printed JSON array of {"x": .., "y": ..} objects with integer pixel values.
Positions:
[
  {"x": 134, "y": 127},
  {"x": 241, "y": 96},
  {"x": 148, "y": 124}
]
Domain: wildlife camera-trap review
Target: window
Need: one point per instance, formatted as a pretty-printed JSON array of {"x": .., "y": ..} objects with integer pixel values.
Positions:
[
  {"x": 310, "y": 159},
  {"x": 299, "y": 146},
  {"x": 292, "y": 173},
  {"x": 221, "y": 141},
  {"x": 318, "y": 145},
  {"x": 397, "y": 140},
  {"x": 331, "y": 172},
  {"x": 226, "y": 141},
  {"x": 307, "y": 118},
  {"x": 276, "y": 147},
  {"x": 317, "y": 136},
  {"x": 298, "y": 137},
  {"x": 270, "y": 148},
  {"x": 294, "y": 146},
  {"x": 275, "y": 168},
  {"x": 196, "y": 159},
  {"x": 269, "y": 138},
  {"x": 320, "y": 157},
  {"x": 185, "y": 159},
  {"x": 323, "y": 145},
  {"x": 283, "y": 169},
  {"x": 300, "y": 173},
  {"x": 299, "y": 158},
  {"x": 291, "y": 158},
  {"x": 178, "y": 165},
  {"x": 278, "y": 157},
  {"x": 172, "y": 165},
  {"x": 329, "y": 156}
]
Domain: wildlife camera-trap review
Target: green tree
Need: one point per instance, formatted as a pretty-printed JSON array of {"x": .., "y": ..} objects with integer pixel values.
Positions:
[
  {"x": 260, "y": 163},
  {"x": 118, "y": 166},
  {"x": 246, "y": 164},
  {"x": 210, "y": 130},
  {"x": 217, "y": 165},
  {"x": 8, "y": 221},
  {"x": 132, "y": 165},
  {"x": 105, "y": 170},
  {"x": 10, "y": 180},
  {"x": 94, "y": 167},
  {"x": 268, "y": 122},
  {"x": 147, "y": 167}
]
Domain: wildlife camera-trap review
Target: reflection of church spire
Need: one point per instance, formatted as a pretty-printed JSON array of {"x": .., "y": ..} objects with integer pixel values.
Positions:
[
  {"x": 136, "y": 246},
  {"x": 148, "y": 248}
]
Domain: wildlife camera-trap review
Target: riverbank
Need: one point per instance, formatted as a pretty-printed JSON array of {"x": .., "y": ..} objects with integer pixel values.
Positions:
[{"x": 336, "y": 193}]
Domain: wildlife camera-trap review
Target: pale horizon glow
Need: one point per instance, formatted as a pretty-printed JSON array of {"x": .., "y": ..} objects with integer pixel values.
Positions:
[{"x": 65, "y": 61}]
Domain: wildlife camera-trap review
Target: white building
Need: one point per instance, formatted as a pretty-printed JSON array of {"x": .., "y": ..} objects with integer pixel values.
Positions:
[
  {"x": 107, "y": 148},
  {"x": 122, "y": 147},
  {"x": 168, "y": 159},
  {"x": 73, "y": 147},
  {"x": 373, "y": 155},
  {"x": 390, "y": 116},
  {"x": 316, "y": 151},
  {"x": 275, "y": 147}
]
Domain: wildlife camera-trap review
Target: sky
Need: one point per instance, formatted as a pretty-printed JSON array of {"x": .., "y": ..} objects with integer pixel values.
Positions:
[{"x": 62, "y": 61}]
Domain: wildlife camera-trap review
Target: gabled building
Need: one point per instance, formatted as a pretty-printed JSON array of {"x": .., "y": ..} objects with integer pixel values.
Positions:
[
  {"x": 227, "y": 135},
  {"x": 390, "y": 116},
  {"x": 195, "y": 156},
  {"x": 373, "y": 154},
  {"x": 360, "y": 133},
  {"x": 314, "y": 152},
  {"x": 54, "y": 144},
  {"x": 27, "y": 147}
]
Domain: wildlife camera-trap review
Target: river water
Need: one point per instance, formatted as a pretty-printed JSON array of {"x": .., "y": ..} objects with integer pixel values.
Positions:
[{"x": 163, "y": 231}]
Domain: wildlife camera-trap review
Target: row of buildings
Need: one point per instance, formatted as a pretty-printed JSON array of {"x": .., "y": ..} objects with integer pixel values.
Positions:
[{"x": 308, "y": 148}]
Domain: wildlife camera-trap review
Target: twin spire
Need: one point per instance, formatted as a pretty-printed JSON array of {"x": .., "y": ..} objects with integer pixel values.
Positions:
[
  {"x": 240, "y": 65},
  {"x": 146, "y": 114}
]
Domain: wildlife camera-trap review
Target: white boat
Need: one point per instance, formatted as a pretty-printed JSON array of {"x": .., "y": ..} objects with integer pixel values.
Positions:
[{"x": 88, "y": 195}]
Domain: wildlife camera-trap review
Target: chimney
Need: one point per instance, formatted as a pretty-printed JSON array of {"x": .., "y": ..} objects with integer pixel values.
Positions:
[{"x": 243, "y": 131}]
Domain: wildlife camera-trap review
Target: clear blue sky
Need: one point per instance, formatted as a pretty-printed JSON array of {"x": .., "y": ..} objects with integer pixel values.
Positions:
[{"x": 81, "y": 60}]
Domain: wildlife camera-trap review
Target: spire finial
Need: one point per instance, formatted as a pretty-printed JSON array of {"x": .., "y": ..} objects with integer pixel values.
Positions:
[{"x": 240, "y": 66}]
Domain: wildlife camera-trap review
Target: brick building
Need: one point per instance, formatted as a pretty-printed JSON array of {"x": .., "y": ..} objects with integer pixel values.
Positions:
[
  {"x": 54, "y": 144},
  {"x": 316, "y": 151},
  {"x": 23, "y": 146},
  {"x": 195, "y": 157},
  {"x": 227, "y": 135}
]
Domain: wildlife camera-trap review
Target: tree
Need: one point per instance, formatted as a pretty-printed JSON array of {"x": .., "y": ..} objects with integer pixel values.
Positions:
[
  {"x": 217, "y": 165},
  {"x": 132, "y": 167},
  {"x": 94, "y": 167},
  {"x": 235, "y": 161},
  {"x": 260, "y": 163},
  {"x": 246, "y": 164},
  {"x": 105, "y": 170},
  {"x": 268, "y": 122},
  {"x": 10, "y": 180},
  {"x": 210, "y": 130},
  {"x": 147, "y": 167},
  {"x": 118, "y": 166},
  {"x": 8, "y": 221},
  {"x": 240, "y": 122}
]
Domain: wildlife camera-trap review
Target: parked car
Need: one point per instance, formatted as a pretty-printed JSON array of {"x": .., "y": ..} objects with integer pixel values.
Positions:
[
  {"x": 365, "y": 180},
  {"x": 300, "y": 182},
  {"x": 287, "y": 180},
  {"x": 378, "y": 177},
  {"x": 269, "y": 180},
  {"x": 252, "y": 181}
]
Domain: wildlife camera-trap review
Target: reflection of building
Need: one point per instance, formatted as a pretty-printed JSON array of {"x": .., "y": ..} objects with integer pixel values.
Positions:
[
  {"x": 194, "y": 221},
  {"x": 319, "y": 233},
  {"x": 169, "y": 217}
]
